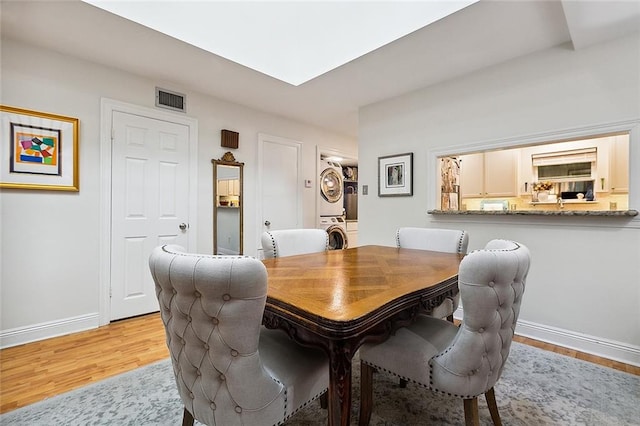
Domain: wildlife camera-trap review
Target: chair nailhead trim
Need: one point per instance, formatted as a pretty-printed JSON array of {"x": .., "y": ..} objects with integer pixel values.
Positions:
[
  {"x": 430, "y": 386},
  {"x": 183, "y": 317}
]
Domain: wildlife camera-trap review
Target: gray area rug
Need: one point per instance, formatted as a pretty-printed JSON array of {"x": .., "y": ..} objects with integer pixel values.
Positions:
[{"x": 536, "y": 388}]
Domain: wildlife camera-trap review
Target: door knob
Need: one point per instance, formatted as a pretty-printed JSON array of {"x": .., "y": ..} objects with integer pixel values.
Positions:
[
  {"x": 183, "y": 226},
  {"x": 267, "y": 223}
]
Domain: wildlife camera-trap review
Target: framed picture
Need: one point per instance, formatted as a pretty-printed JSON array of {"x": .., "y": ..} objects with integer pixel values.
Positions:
[
  {"x": 395, "y": 175},
  {"x": 38, "y": 150}
]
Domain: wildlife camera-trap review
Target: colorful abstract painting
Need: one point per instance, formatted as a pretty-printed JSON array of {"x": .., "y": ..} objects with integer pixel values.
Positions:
[{"x": 36, "y": 150}]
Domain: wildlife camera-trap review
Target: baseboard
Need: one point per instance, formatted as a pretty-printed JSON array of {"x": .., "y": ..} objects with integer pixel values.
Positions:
[
  {"x": 604, "y": 348},
  {"x": 32, "y": 333}
]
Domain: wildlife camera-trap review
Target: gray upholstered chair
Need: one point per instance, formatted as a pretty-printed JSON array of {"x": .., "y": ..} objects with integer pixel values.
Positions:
[
  {"x": 434, "y": 239},
  {"x": 289, "y": 242},
  {"x": 463, "y": 361},
  {"x": 229, "y": 369}
]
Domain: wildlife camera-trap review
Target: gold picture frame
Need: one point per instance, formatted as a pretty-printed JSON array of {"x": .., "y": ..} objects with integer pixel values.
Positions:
[{"x": 38, "y": 150}]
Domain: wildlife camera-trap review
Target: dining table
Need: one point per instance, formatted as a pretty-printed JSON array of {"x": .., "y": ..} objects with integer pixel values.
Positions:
[{"x": 339, "y": 299}]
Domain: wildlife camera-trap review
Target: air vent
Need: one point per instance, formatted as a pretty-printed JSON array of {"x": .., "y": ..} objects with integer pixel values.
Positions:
[{"x": 170, "y": 100}]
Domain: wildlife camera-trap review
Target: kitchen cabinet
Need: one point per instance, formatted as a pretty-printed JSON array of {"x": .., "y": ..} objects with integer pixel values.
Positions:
[
  {"x": 472, "y": 175},
  {"x": 619, "y": 165},
  {"x": 228, "y": 187},
  {"x": 223, "y": 188},
  {"x": 489, "y": 174}
]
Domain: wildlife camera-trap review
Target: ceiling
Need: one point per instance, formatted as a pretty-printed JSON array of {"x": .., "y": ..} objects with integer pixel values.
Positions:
[
  {"x": 481, "y": 35},
  {"x": 293, "y": 41}
]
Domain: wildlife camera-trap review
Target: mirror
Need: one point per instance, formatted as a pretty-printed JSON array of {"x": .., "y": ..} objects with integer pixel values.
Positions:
[{"x": 227, "y": 206}]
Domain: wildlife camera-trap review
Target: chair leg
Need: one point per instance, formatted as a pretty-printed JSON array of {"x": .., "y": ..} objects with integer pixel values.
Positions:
[
  {"x": 366, "y": 394},
  {"x": 187, "y": 418},
  {"x": 403, "y": 383},
  {"x": 324, "y": 400},
  {"x": 493, "y": 407},
  {"x": 471, "y": 417}
]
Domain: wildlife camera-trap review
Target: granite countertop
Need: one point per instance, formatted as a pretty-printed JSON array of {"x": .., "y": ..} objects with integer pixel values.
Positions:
[{"x": 606, "y": 213}]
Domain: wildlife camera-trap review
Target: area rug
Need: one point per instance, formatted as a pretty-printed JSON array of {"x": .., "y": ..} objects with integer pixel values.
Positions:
[{"x": 536, "y": 388}]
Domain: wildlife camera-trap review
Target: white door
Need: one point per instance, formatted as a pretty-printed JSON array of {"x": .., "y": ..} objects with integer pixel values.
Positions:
[
  {"x": 149, "y": 204},
  {"x": 280, "y": 183}
]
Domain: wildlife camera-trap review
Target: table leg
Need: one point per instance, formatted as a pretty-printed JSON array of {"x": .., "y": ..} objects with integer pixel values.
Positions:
[{"x": 340, "y": 356}]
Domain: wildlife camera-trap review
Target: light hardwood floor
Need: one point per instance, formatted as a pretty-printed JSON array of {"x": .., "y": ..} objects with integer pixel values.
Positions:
[{"x": 35, "y": 371}]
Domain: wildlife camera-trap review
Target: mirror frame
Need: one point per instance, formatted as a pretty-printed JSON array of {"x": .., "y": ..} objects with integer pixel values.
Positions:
[{"x": 227, "y": 160}]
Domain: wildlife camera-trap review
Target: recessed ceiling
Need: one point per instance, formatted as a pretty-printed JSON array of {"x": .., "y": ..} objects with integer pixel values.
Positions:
[
  {"x": 479, "y": 36},
  {"x": 292, "y": 41}
]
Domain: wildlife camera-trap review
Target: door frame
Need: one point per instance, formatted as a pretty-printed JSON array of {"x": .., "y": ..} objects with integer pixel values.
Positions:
[
  {"x": 262, "y": 138},
  {"x": 107, "y": 108},
  {"x": 320, "y": 151}
]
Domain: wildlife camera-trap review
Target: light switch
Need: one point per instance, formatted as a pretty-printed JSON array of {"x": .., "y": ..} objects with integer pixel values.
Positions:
[
  {"x": 307, "y": 183},
  {"x": 365, "y": 189}
]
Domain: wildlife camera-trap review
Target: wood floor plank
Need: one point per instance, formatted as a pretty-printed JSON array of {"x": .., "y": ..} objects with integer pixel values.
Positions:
[
  {"x": 32, "y": 372},
  {"x": 39, "y": 370}
]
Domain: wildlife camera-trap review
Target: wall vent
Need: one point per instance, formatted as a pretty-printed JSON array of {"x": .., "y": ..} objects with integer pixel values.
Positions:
[{"x": 171, "y": 100}]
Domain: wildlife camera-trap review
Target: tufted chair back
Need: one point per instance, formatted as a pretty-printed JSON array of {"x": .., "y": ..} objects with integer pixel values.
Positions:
[
  {"x": 491, "y": 283},
  {"x": 289, "y": 242},
  {"x": 225, "y": 363},
  {"x": 434, "y": 239},
  {"x": 463, "y": 361}
]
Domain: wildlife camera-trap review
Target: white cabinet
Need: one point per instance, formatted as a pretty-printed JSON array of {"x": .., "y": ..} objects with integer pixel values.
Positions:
[
  {"x": 489, "y": 174},
  {"x": 234, "y": 187},
  {"x": 472, "y": 175},
  {"x": 352, "y": 234},
  {"x": 228, "y": 187},
  {"x": 619, "y": 165},
  {"x": 223, "y": 188}
]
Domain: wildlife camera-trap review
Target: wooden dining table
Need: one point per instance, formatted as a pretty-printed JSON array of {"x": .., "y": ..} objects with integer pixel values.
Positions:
[{"x": 339, "y": 299}]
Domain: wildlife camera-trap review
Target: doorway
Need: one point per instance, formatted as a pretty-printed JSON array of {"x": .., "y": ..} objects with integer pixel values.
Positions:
[
  {"x": 280, "y": 185},
  {"x": 148, "y": 167}
]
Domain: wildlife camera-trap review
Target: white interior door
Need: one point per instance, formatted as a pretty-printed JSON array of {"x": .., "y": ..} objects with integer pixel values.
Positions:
[
  {"x": 149, "y": 204},
  {"x": 280, "y": 183}
]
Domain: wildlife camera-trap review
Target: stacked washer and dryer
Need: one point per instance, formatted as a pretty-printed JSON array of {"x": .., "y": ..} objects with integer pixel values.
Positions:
[{"x": 331, "y": 204}]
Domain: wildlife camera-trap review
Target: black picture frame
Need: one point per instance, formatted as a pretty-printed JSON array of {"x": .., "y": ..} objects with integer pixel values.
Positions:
[{"x": 395, "y": 175}]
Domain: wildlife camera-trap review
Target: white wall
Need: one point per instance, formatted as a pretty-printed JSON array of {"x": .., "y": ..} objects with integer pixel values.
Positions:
[
  {"x": 584, "y": 286},
  {"x": 50, "y": 240}
]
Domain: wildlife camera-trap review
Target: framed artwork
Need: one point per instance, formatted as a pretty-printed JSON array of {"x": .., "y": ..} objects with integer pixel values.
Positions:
[
  {"x": 38, "y": 150},
  {"x": 395, "y": 175}
]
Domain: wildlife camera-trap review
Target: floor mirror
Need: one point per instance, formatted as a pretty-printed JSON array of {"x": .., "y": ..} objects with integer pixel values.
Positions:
[{"x": 227, "y": 206}]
